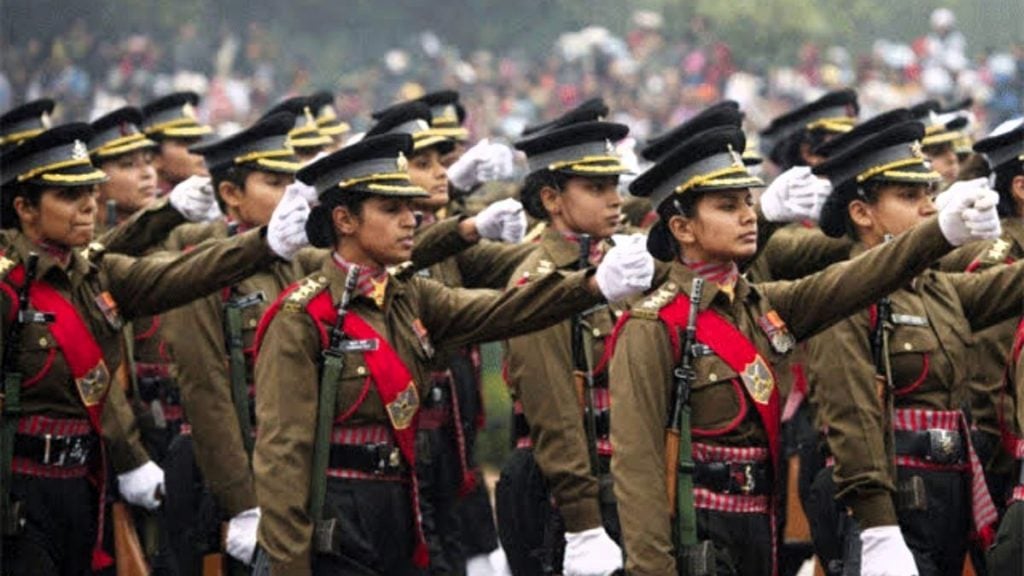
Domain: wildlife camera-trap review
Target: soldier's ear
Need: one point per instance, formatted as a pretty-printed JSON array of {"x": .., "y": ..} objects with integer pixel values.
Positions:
[
  {"x": 231, "y": 194},
  {"x": 682, "y": 229},
  {"x": 551, "y": 198},
  {"x": 345, "y": 221},
  {"x": 27, "y": 212},
  {"x": 1017, "y": 187},
  {"x": 861, "y": 215}
]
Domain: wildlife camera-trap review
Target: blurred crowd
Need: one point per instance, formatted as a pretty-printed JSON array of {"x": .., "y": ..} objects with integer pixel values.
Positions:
[{"x": 651, "y": 80}]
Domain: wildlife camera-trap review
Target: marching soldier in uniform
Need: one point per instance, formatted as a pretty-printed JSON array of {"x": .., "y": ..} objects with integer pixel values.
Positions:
[
  {"x": 171, "y": 122},
  {"x": 327, "y": 120},
  {"x": 62, "y": 330},
  {"x": 25, "y": 122},
  {"x": 306, "y": 136},
  {"x": 120, "y": 149},
  {"x": 446, "y": 472},
  {"x": 356, "y": 510},
  {"x": 708, "y": 224},
  {"x": 943, "y": 133},
  {"x": 560, "y": 393},
  {"x": 892, "y": 378}
]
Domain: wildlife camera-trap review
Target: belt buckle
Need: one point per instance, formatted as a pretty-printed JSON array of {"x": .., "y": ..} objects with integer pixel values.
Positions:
[
  {"x": 77, "y": 451},
  {"x": 748, "y": 483},
  {"x": 47, "y": 445},
  {"x": 388, "y": 456},
  {"x": 942, "y": 446}
]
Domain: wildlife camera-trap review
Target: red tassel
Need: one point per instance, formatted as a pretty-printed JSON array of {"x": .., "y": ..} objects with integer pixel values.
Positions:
[
  {"x": 420, "y": 557},
  {"x": 986, "y": 536},
  {"x": 101, "y": 560},
  {"x": 468, "y": 484}
]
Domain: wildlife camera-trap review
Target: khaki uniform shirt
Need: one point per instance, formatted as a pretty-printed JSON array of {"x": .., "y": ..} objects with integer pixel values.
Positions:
[
  {"x": 540, "y": 375},
  {"x": 138, "y": 286},
  {"x": 287, "y": 377},
  {"x": 933, "y": 318},
  {"x": 641, "y": 374}
]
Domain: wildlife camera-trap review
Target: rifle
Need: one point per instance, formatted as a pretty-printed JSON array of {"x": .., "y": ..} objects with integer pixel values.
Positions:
[
  {"x": 131, "y": 561},
  {"x": 695, "y": 558},
  {"x": 583, "y": 373},
  {"x": 111, "y": 214},
  {"x": 883, "y": 369},
  {"x": 325, "y": 531},
  {"x": 11, "y": 518},
  {"x": 236, "y": 362}
]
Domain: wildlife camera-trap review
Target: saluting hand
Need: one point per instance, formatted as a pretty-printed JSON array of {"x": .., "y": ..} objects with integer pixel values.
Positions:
[
  {"x": 286, "y": 233},
  {"x": 626, "y": 270},
  {"x": 193, "y": 198},
  {"x": 796, "y": 194},
  {"x": 504, "y": 220},
  {"x": 486, "y": 161},
  {"x": 969, "y": 214}
]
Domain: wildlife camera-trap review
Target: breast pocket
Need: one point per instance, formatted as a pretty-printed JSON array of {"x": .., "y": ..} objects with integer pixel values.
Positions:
[
  {"x": 718, "y": 401},
  {"x": 356, "y": 394},
  {"x": 910, "y": 351},
  {"x": 39, "y": 352}
]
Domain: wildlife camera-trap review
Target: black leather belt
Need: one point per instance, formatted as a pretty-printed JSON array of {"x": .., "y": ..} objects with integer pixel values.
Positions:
[
  {"x": 938, "y": 446},
  {"x": 385, "y": 459},
  {"x": 49, "y": 450},
  {"x": 437, "y": 396},
  {"x": 160, "y": 388},
  {"x": 602, "y": 419},
  {"x": 746, "y": 478}
]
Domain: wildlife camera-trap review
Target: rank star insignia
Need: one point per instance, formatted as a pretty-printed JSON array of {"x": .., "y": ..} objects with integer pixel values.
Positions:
[
  {"x": 402, "y": 409},
  {"x": 380, "y": 288},
  {"x": 759, "y": 380},
  {"x": 79, "y": 151}
]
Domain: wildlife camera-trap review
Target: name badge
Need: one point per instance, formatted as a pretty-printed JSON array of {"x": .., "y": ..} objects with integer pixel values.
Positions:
[
  {"x": 367, "y": 345},
  {"x": 424, "y": 339},
  {"x": 908, "y": 320},
  {"x": 108, "y": 307}
]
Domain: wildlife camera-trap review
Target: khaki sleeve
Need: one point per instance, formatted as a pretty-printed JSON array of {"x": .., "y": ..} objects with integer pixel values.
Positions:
[
  {"x": 491, "y": 264},
  {"x": 640, "y": 376},
  {"x": 286, "y": 408},
  {"x": 797, "y": 252},
  {"x": 146, "y": 229},
  {"x": 458, "y": 316},
  {"x": 121, "y": 433},
  {"x": 848, "y": 401},
  {"x": 540, "y": 369},
  {"x": 196, "y": 335},
  {"x": 992, "y": 296},
  {"x": 153, "y": 284},
  {"x": 438, "y": 242},
  {"x": 958, "y": 260},
  {"x": 814, "y": 303}
]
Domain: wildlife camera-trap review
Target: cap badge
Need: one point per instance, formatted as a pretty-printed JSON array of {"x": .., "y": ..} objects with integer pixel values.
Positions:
[
  {"x": 915, "y": 149},
  {"x": 421, "y": 125},
  {"x": 309, "y": 116},
  {"x": 401, "y": 163},
  {"x": 188, "y": 111},
  {"x": 44, "y": 119},
  {"x": 609, "y": 147},
  {"x": 79, "y": 151},
  {"x": 737, "y": 159}
]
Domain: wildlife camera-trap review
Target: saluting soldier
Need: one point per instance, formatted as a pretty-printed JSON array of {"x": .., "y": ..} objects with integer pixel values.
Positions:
[
  {"x": 327, "y": 119},
  {"x": 364, "y": 504},
  {"x": 560, "y": 392},
  {"x": 172, "y": 122},
  {"x": 62, "y": 330},
  {"x": 708, "y": 224},
  {"x": 306, "y": 136},
  {"x": 446, "y": 470},
  {"x": 25, "y": 122},
  {"x": 901, "y": 453},
  {"x": 120, "y": 149},
  {"x": 943, "y": 134}
]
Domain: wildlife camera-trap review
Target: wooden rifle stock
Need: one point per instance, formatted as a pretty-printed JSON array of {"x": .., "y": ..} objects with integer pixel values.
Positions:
[
  {"x": 127, "y": 550},
  {"x": 671, "y": 468}
]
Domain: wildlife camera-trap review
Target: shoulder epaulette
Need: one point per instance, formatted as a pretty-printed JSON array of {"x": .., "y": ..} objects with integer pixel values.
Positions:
[
  {"x": 649, "y": 307},
  {"x": 6, "y": 265},
  {"x": 94, "y": 252},
  {"x": 544, "y": 266},
  {"x": 402, "y": 271},
  {"x": 304, "y": 293},
  {"x": 997, "y": 253}
]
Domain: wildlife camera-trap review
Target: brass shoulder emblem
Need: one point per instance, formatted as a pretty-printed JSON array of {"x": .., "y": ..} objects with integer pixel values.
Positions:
[
  {"x": 6, "y": 265},
  {"x": 758, "y": 379},
  {"x": 305, "y": 292},
  {"x": 94, "y": 251},
  {"x": 649, "y": 307},
  {"x": 403, "y": 408}
]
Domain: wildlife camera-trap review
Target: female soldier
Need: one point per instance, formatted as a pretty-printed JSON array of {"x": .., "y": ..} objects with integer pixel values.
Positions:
[
  {"x": 707, "y": 224},
  {"x": 398, "y": 325},
  {"x": 62, "y": 328},
  {"x": 125, "y": 155},
  {"x": 573, "y": 186},
  {"x": 937, "y": 487}
]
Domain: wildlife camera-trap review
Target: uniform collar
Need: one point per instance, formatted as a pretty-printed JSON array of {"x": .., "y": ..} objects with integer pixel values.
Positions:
[
  {"x": 683, "y": 276},
  {"x": 564, "y": 250},
  {"x": 77, "y": 266}
]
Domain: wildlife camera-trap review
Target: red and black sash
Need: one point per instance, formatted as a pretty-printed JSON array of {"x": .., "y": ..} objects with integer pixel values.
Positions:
[
  {"x": 92, "y": 379},
  {"x": 392, "y": 379}
]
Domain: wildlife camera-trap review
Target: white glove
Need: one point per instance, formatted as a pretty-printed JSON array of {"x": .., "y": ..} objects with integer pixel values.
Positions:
[
  {"x": 241, "y": 538},
  {"x": 479, "y": 565},
  {"x": 883, "y": 552},
  {"x": 143, "y": 486},
  {"x": 795, "y": 195},
  {"x": 958, "y": 189},
  {"x": 627, "y": 269},
  {"x": 970, "y": 216},
  {"x": 307, "y": 192},
  {"x": 591, "y": 553},
  {"x": 193, "y": 198},
  {"x": 484, "y": 162},
  {"x": 504, "y": 220},
  {"x": 286, "y": 233}
]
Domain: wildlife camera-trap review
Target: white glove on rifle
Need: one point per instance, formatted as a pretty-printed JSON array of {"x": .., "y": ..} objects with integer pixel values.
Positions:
[
  {"x": 486, "y": 161},
  {"x": 796, "y": 194},
  {"x": 241, "y": 538},
  {"x": 591, "y": 553},
  {"x": 143, "y": 486},
  {"x": 626, "y": 270},
  {"x": 883, "y": 552},
  {"x": 286, "y": 233},
  {"x": 504, "y": 220},
  {"x": 193, "y": 198},
  {"x": 970, "y": 216}
]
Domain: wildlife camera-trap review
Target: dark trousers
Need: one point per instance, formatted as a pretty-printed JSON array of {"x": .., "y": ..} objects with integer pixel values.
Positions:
[
  {"x": 189, "y": 519},
  {"x": 440, "y": 473},
  {"x": 376, "y": 530},
  {"x": 1006, "y": 557},
  {"x": 59, "y": 530},
  {"x": 478, "y": 533},
  {"x": 742, "y": 542},
  {"x": 937, "y": 536}
]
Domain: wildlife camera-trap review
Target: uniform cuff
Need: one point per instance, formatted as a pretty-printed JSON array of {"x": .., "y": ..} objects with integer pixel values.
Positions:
[
  {"x": 874, "y": 510},
  {"x": 581, "y": 515},
  {"x": 237, "y": 497}
]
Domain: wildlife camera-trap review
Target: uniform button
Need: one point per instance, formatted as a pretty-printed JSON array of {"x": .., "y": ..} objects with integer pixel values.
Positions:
[
  {"x": 253, "y": 322},
  {"x": 712, "y": 376},
  {"x": 597, "y": 332},
  {"x": 361, "y": 371},
  {"x": 618, "y": 313},
  {"x": 908, "y": 346},
  {"x": 321, "y": 279},
  {"x": 42, "y": 341}
]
